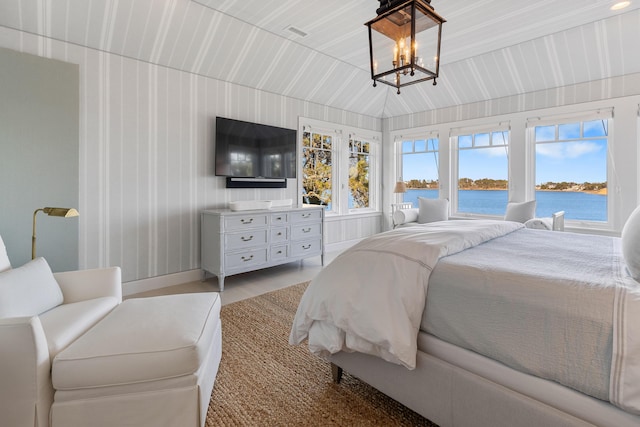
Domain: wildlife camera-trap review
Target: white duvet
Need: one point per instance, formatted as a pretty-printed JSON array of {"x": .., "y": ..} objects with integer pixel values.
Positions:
[
  {"x": 371, "y": 298},
  {"x": 389, "y": 272}
]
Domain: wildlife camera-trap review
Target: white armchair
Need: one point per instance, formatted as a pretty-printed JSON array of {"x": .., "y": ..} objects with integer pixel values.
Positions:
[{"x": 41, "y": 313}]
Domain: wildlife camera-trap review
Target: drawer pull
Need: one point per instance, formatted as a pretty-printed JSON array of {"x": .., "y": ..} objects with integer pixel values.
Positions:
[
  {"x": 246, "y": 221},
  {"x": 306, "y": 215},
  {"x": 246, "y": 239},
  {"x": 245, "y": 259},
  {"x": 279, "y": 233},
  {"x": 279, "y": 218},
  {"x": 305, "y": 247},
  {"x": 279, "y": 252},
  {"x": 306, "y": 230}
]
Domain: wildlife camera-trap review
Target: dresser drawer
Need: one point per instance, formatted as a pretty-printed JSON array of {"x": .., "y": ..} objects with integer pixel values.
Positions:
[
  {"x": 246, "y": 239},
  {"x": 245, "y": 259},
  {"x": 279, "y": 235},
  {"x": 279, "y": 252},
  {"x": 306, "y": 215},
  {"x": 241, "y": 222},
  {"x": 304, "y": 231},
  {"x": 306, "y": 248},
  {"x": 281, "y": 218},
  {"x": 234, "y": 242}
]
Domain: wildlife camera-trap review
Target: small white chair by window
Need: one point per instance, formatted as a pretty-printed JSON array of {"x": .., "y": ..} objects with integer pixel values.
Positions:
[
  {"x": 398, "y": 206},
  {"x": 555, "y": 223}
]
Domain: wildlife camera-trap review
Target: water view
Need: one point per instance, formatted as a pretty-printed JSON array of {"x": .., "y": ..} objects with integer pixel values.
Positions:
[{"x": 577, "y": 205}]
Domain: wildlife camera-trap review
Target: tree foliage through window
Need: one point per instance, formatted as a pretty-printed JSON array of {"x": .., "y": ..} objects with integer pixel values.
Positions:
[{"x": 316, "y": 168}]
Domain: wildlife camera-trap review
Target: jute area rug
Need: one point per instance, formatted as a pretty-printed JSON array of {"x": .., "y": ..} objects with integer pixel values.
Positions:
[{"x": 264, "y": 381}]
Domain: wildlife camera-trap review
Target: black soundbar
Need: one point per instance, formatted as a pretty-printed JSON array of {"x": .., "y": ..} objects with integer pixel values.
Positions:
[{"x": 256, "y": 182}]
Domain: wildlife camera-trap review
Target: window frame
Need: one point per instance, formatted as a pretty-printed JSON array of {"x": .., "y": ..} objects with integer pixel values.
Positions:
[
  {"x": 480, "y": 129},
  {"x": 563, "y": 119},
  {"x": 399, "y": 140},
  {"x": 340, "y": 189}
]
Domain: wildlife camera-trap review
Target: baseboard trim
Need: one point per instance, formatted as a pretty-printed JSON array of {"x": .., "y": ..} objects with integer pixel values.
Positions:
[{"x": 159, "y": 282}]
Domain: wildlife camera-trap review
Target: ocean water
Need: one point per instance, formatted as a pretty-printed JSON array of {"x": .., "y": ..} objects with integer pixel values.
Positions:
[{"x": 576, "y": 205}]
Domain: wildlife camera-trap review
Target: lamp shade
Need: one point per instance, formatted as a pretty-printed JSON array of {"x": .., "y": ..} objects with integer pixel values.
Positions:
[
  {"x": 63, "y": 212},
  {"x": 404, "y": 43},
  {"x": 400, "y": 187}
]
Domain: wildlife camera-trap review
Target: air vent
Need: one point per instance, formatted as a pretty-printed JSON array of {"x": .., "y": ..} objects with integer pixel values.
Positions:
[{"x": 297, "y": 31}]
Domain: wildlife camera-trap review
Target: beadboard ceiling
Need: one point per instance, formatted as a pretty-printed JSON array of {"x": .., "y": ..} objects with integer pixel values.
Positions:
[{"x": 490, "y": 49}]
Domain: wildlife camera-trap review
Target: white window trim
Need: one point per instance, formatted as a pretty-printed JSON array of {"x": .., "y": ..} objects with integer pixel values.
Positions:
[
  {"x": 340, "y": 165},
  {"x": 504, "y": 126},
  {"x": 483, "y": 128},
  {"x": 612, "y": 181},
  {"x": 398, "y": 141},
  {"x": 602, "y": 113},
  {"x": 417, "y": 133},
  {"x": 375, "y": 165}
]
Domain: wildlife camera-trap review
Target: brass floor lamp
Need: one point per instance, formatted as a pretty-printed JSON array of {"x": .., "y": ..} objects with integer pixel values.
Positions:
[{"x": 61, "y": 212}]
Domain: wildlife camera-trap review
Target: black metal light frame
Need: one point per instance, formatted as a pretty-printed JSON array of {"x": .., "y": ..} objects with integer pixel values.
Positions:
[{"x": 410, "y": 68}]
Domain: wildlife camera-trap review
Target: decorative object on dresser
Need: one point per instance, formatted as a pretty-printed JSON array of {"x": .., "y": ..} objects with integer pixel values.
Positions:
[{"x": 237, "y": 242}]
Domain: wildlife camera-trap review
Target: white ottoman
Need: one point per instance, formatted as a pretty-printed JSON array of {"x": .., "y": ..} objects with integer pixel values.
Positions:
[{"x": 150, "y": 362}]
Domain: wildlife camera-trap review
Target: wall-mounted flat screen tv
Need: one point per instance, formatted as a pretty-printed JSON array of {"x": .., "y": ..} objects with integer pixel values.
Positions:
[{"x": 252, "y": 150}]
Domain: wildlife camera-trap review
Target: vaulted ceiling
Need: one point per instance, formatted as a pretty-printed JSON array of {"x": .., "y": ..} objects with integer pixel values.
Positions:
[{"x": 318, "y": 50}]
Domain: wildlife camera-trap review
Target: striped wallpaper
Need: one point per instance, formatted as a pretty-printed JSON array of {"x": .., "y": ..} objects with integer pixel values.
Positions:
[{"x": 146, "y": 156}]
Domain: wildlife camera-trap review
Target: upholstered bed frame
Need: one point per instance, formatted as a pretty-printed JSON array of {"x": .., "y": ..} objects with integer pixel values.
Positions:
[{"x": 452, "y": 386}]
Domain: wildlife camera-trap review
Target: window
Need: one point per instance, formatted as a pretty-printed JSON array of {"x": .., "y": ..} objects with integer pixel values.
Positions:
[
  {"x": 340, "y": 172},
  {"x": 359, "y": 165},
  {"x": 571, "y": 168},
  {"x": 483, "y": 172},
  {"x": 317, "y": 168},
  {"x": 419, "y": 165}
]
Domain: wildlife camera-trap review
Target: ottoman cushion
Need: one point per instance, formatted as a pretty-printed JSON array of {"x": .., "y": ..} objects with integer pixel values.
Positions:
[{"x": 141, "y": 340}]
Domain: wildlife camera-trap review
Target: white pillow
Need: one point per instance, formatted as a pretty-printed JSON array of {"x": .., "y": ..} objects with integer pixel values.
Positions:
[
  {"x": 403, "y": 216},
  {"x": 631, "y": 243},
  {"x": 28, "y": 290},
  {"x": 520, "y": 212},
  {"x": 431, "y": 210}
]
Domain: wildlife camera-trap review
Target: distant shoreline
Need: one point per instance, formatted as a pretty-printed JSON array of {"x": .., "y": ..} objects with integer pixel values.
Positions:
[{"x": 601, "y": 192}]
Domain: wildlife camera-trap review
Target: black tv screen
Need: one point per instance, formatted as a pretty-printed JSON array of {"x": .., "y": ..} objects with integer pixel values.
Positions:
[{"x": 252, "y": 150}]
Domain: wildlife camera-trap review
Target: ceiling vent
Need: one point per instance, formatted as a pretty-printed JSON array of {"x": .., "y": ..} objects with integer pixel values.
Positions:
[{"x": 297, "y": 31}]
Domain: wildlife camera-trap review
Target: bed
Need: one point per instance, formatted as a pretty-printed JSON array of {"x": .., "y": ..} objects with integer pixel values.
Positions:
[{"x": 484, "y": 323}]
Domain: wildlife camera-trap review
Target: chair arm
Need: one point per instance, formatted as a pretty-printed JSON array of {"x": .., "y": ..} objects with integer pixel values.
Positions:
[
  {"x": 25, "y": 390},
  {"x": 82, "y": 285}
]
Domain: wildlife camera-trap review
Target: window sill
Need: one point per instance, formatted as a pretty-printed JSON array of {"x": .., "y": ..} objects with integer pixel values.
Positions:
[{"x": 329, "y": 217}]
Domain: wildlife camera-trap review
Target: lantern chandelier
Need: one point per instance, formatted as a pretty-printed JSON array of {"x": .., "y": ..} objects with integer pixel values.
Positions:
[{"x": 404, "y": 43}]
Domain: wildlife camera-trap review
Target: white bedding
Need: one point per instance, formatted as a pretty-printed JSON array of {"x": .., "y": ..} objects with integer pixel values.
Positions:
[
  {"x": 371, "y": 298},
  {"x": 388, "y": 272}
]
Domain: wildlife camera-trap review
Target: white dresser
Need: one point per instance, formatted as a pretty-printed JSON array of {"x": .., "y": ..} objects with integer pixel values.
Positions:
[{"x": 235, "y": 242}]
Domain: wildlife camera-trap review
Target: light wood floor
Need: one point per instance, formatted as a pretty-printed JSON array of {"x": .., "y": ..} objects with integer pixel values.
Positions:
[{"x": 247, "y": 285}]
